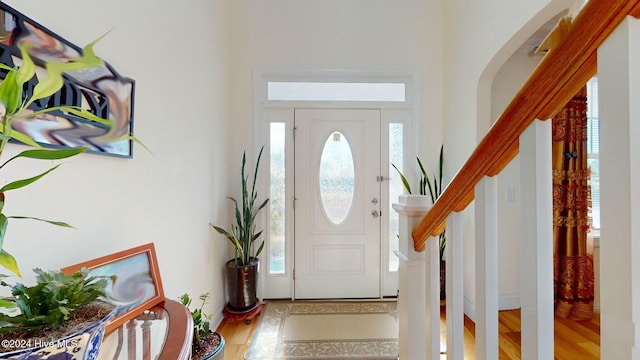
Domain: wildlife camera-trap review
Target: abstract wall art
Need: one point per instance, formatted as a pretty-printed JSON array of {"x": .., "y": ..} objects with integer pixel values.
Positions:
[{"x": 101, "y": 90}]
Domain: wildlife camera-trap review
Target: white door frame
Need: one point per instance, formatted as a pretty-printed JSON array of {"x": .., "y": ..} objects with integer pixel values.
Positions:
[{"x": 267, "y": 111}]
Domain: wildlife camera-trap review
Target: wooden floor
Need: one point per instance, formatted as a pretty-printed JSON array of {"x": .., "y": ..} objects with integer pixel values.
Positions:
[{"x": 573, "y": 339}]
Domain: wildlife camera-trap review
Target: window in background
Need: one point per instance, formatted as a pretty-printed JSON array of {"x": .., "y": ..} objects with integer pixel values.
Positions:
[
  {"x": 277, "y": 200},
  {"x": 395, "y": 190},
  {"x": 593, "y": 149},
  {"x": 343, "y": 91}
]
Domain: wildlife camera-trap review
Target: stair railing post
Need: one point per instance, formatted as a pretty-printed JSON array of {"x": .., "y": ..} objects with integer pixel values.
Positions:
[
  {"x": 536, "y": 256},
  {"x": 455, "y": 286},
  {"x": 486, "y": 223},
  {"x": 412, "y": 308},
  {"x": 619, "y": 96}
]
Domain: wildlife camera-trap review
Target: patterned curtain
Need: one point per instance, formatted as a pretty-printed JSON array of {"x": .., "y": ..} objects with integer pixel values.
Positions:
[{"x": 573, "y": 265}]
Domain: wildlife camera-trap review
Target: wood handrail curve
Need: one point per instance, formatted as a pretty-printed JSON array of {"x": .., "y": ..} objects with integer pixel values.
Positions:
[{"x": 560, "y": 74}]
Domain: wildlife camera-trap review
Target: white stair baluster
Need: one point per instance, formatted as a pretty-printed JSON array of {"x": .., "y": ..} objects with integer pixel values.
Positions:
[
  {"x": 455, "y": 297},
  {"x": 486, "y": 192},
  {"x": 432, "y": 285},
  {"x": 537, "y": 242},
  {"x": 619, "y": 96}
]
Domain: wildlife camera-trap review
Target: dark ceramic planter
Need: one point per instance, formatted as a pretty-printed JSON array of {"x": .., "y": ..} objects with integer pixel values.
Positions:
[{"x": 242, "y": 282}]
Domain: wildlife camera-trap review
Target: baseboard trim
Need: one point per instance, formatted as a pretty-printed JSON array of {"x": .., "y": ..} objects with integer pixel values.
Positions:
[
  {"x": 505, "y": 302},
  {"x": 509, "y": 302},
  {"x": 217, "y": 319},
  {"x": 470, "y": 309}
]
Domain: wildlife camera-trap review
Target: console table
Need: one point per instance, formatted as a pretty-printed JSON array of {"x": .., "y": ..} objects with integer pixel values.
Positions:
[{"x": 164, "y": 332}]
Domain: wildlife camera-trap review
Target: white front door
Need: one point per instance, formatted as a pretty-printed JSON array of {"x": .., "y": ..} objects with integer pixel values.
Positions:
[{"x": 337, "y": 203}]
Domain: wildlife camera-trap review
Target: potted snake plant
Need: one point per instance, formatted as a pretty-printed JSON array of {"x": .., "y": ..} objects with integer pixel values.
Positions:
[
  {"x": 242, "y": 269},
  {"x": 435, "y": 188}
]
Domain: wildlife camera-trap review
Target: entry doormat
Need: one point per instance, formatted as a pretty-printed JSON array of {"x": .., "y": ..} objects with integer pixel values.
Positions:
[{"x": 327, "y": 330}]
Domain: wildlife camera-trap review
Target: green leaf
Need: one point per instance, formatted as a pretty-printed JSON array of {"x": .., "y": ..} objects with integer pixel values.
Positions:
[
  {"x": 88, "y": 55},
  {"x": 185, "y": 299},
  {"x": 42, "y": 154},
  {"x": 6, "y": 303},
  {"x": 10, "y": 95},
  {"x": 57, "y": 223},
  {"x": 5, "y": 67},
  {"x": 264, "y": 203},
  {"x": 24, "y": 182},
  {"x": 48, "y": 86},
  {"x": 441, "y": 166},
  {"x": 256, "y": 236},
  {"x": 436, "y": 186},
  {"x": 27, "y": 70},
  {"x": 75, "y": 110},
  {"x": 260, "y": 249},
  {"x": 424, "y": 180},
  {"x": 53, "y": 80},
  {"x": 405, "y": 182},
  {"x": 255, "y": 173},
  {"x": 136, "y": 140},
  {"x": 4, "y": 222},
  {"x": 25, "y": 139},
  {"x": 221, "y": 230},
  {"x": 55, "y": 154},
  {"x": 430, "y": 186},
  {"x": 9, "y": 262}
]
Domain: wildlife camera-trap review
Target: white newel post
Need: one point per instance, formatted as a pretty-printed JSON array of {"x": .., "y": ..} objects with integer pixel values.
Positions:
[
  {"x": 411, "y": 297},
  {"x": 619, "y": 95}
]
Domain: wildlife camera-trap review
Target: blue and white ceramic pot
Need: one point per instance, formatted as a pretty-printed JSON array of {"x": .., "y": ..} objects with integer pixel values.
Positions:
[{"x": 82, "y": 345}]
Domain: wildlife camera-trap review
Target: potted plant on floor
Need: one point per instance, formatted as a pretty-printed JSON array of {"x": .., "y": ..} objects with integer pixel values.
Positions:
[
  {"x": 435, "y": 190},
  {"x": 207, "y": 344},
  {"x": 242, "y": 270}
]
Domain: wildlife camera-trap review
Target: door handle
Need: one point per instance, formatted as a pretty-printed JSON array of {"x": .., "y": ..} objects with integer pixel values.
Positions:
[{"x": 375, "y": 213}]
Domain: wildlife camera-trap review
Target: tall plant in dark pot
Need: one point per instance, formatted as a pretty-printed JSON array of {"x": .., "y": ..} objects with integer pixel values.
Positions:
[
  {"x": 242, "y": 270},
  {"x": 435, "y": 188}
]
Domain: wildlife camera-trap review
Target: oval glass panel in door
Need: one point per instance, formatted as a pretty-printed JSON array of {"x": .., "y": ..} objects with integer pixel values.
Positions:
[{"x": 336, "y": 178}]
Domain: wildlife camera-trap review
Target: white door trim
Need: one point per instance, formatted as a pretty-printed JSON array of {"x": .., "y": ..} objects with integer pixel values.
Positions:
[{"x": 265, "y": 112}]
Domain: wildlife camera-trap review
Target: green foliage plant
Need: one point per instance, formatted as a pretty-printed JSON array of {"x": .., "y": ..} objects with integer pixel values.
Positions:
[
  {"x": 55, "y": 298},
  {"x": 14, "y": 105},
  {"x": 242, "y": 235},
  {"x": 435, "y": 190},
  {"x": 200, "y": 319}
]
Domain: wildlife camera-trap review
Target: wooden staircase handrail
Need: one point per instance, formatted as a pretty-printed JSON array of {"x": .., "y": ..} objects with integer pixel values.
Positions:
[{"x": 560, "y": 74}]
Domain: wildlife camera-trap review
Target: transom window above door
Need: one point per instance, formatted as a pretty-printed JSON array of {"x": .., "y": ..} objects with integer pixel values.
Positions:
[{"x": 333, "y": 91}]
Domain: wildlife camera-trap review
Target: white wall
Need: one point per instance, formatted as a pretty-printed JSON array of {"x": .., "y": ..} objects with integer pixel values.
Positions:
[
  {"x": 479, "y": 37},
  {"x": 178, "y": 56},
  {"x": 507, "y": 82},
  {"x": 358, "y": 34}
]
